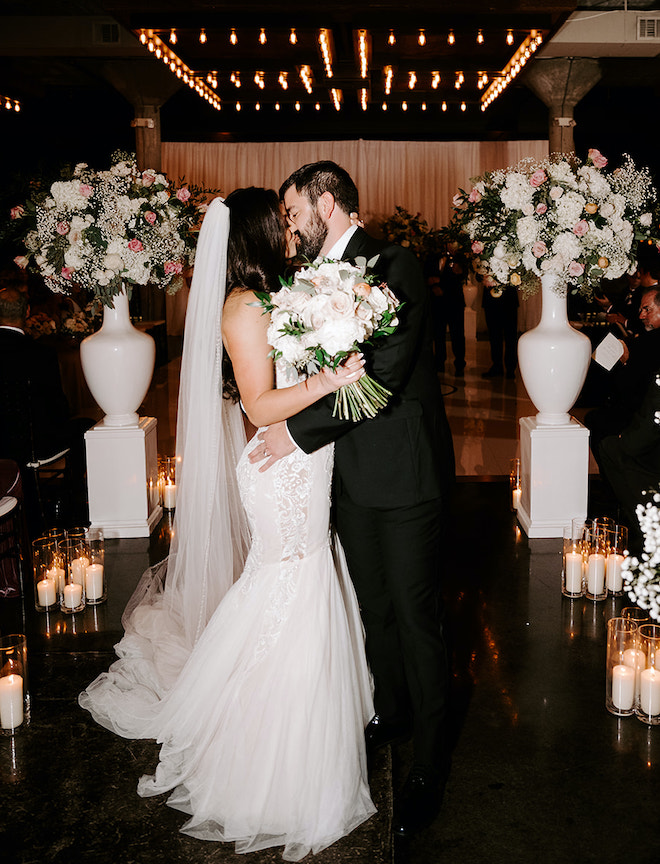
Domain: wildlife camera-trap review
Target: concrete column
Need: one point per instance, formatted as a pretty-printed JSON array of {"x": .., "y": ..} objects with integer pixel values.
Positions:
[
  {"x": 146, "y": 84},
  {"x": 561, "y": 82}
]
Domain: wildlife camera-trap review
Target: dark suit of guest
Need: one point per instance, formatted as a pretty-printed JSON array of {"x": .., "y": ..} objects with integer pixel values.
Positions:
[
  {"x": 631, "y": 461},
  {"x": 629, "y": 384},
  {"x": 34, "y": 414},
  {"x": 501, "y": 313},
  {"x": 392, "y": 476}
]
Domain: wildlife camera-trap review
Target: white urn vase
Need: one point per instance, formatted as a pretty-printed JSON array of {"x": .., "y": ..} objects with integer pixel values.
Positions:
[
  {"x": 118, "y": 362},
  {"x": 553, "y": 357}
]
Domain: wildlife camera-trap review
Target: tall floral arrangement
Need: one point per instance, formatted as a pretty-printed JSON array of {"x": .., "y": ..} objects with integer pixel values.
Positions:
[
  {"x": 411, "y": 231},
  {"x": 557, "y": 216},
  {"x": 102, "y": 230}
]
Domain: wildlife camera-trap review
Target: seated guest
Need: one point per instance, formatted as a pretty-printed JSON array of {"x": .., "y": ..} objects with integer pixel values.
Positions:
[
  {"x": 34, "y": 415},
  {"x": 630, "y": 377},
  {"x": 630, "y": 461}
]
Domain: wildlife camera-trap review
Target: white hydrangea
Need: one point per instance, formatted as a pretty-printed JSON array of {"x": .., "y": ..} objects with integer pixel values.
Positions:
[{"x": 527, "y": 230}]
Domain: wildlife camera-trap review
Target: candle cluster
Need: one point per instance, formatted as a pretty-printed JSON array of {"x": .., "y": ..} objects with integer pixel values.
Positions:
[
  {"x": 593, "y": 557},
  {"x": 69, "y": 570},
  {"x": 633, "y": 667}
]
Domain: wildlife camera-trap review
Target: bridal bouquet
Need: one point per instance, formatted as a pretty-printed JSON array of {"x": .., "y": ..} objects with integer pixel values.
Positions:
[
  {"x": 557, "y": 216},
  {"x": 326, "y": 311},
  {"x": 101, "y": 230}
]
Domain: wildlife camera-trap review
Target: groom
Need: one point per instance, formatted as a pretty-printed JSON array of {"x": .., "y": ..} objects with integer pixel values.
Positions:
[{"x": 392, "y": 474}]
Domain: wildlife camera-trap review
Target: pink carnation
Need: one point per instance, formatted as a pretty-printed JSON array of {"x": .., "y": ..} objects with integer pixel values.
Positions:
[
  {"x": 597, "y": 158},
  {"x": 183, "y": 194},
  {"x": 477, "y": 247},
  {"x": 581, "y": 228},
  {"x": 173, "y": 267},
  {"x": 16, "y": 212},
  {"x": 85, "y": 190},
  {"x": 135, "y": 245},
  {"x": 62, "y": 228},
  {"x": 474, "y": 197},
  {"x": 66, "y": 272},
  {"x": 538, "y": 178},
  {"x": 541, "y": 208},
  {"x": 575, "y": 268},
  {"x": 150, "y": 217},
  {"x": 539, "y": 249}
]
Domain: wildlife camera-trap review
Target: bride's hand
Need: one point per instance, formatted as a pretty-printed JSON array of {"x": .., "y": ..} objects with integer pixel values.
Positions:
[{"x": 348, "y": 372}]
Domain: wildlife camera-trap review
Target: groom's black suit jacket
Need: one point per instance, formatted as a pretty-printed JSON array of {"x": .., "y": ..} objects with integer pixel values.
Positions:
[{"x": 404, "y": 456}]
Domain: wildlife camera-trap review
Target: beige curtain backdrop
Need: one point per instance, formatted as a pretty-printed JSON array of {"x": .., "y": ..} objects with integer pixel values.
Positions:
[{"x": 421, "y": 176}]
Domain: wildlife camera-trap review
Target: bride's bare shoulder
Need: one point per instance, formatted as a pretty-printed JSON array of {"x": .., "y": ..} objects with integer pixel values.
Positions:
[{"x": 241, "y": 308}]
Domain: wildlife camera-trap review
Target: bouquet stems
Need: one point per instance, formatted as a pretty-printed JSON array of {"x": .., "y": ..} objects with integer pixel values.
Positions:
[{"x": 360, "y": 400}]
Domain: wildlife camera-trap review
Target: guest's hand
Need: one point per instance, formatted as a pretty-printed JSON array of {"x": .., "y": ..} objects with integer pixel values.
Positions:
[
  {"x": 626, "y": 352},
  {"x": 273, "y": 444}
]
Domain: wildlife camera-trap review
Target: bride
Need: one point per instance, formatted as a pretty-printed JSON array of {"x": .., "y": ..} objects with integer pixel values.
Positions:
[{"x": 243, "y": 652}]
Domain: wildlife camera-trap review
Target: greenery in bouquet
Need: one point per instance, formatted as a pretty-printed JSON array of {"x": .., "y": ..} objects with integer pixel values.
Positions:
[
  {"x": 327, "y": 310},
  {"x": 557, "y": 216},
  {"x": 104, "y": 230},
  {"x": 410, "y": 231}
]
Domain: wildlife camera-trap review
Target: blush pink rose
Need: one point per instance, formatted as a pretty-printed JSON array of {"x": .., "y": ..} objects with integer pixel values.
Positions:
[
  {"x": 474, "y": 197},
  {"x": 148, "y": 178},
  {"x": 575, "y": 268},
  {"x": 539, "y": 249},
  {"x": 21, "y": 261},
  {"x": 16, "y": 212},
  {"x": 477, "y": 247},
  {"x": 541, "y": 208},
  {"x": 135, "y": 245},
  {"x": 85, "y": 190},
  {"x": 150, "y": 217},
  {"x": 183, "y": 194},
  {"x": 173, "y": 267},
  {"x": 66, "y": 272},
  {"x": 581, "y": 228},
  {"x": 457, "y": 201},
  {"x": 62, "y": 228},
  {"x": 538, "y": 178},
  {"x": 597, "y": 158}
]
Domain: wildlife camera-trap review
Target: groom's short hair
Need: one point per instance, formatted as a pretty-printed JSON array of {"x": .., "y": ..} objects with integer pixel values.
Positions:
[{"x": 314, "y": 179}]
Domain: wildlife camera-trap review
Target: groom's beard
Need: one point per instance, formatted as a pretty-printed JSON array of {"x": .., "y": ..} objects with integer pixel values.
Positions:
[{"x": 312, "y": 237}]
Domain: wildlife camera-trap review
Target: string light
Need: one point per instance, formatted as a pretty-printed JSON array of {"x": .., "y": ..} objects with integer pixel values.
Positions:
[
  {"x": 421, "y": 39},
  {"x": 423, "y": 106},
  {"x": 451, "y": 38},
  {"x": 233, "y": 38},
  {"x": 262, "y": 36},
  {"x": 412, "y": 80},
  {"x": 10, "y": 103},
  {"x": 297, "y": 106},
  {"x": 238, "y": 106},
  {"x": 364, "y": 98},
  {"x": 388, "y": 71},
  {"x": 336, "y": 98},
  {"x": 460, "y": 78},
  {"x": 173, "y": 38},
  {"x": 435, "y": 80},
  {"x": 362, "y": 51},
  {"x": 306, "y": 78},
  {"x": 326, "y": 51},
  {"x": 480, "y": 37},
  {"x": 292, "y": 36},
  {"x": 463, "y": 106},
  {"x": 283, "y": 80},
  {"x": 259, "y": 80},
  {"x": 512, "y": 68},
  {"x": 257, "y": 106},
  {"x": 404, "y": 106},
  {"x": 509, "y": 37},
  {"x": 235, "y": 79},
  {"x": 277, "y": 106},
  {"x": 143, "y": 37},
  {"x": 318, "y": 106},
  {"x": 202, "y": 36},
  {"x": 391, "y": 39},
  {"x": 444, "y": 106},
  {"x": 384, "y": 106}
]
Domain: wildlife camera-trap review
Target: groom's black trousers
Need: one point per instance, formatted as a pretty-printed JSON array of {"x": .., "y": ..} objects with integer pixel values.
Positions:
[{"x": 394, "y": 561}]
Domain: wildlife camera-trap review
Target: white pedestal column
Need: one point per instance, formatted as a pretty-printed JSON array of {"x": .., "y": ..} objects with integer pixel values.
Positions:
[
  {"x": 122, "y": 475},
  {"x": 554, "y": 476}
]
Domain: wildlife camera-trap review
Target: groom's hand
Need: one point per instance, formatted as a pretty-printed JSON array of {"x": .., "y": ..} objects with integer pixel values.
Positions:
[{"x": 273, "y": 444}]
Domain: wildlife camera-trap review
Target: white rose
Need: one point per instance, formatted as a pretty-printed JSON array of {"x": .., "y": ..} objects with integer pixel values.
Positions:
[
  {"x": 341, "y": 304},
  {"x": 113, "y": 262}
]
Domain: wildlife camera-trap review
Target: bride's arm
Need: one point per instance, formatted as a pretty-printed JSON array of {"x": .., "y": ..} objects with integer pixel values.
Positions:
[{"x": 244, "y": 329}]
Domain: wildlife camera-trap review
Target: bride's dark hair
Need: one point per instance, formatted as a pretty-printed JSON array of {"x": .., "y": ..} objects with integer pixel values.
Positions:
[{"x": 256, "y": 252}]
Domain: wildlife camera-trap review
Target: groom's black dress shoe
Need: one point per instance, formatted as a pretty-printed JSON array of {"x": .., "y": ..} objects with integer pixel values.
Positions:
[
  {"x": 379, "y": 733},
  {"x": 419, "y": 803}
]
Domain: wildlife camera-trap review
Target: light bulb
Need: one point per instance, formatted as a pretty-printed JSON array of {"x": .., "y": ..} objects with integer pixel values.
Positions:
[{"x": 202, "y": 36}]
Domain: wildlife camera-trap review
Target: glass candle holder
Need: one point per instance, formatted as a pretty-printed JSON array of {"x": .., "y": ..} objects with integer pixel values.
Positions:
[
  {"x": 620, "y": 677},
  {"x": 46, "y": 577},
  {"x": 597, "y": 540},
  {"x": 95, "y": 583},
  {"x": 616, "y": 554},
  {"x": 75, "y": 560},
  {"x": 14, "y": 692},
  {"x": 572, "y": 573},
  {"x": 648, "y": 706},
  {"x": 514, "y": 484},
  {"x": 639, "y": 616},
  {"x": 167, "y": 479}
]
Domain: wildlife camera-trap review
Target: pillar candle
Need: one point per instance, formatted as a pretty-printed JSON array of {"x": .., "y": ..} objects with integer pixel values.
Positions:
[
  {"x": 94, "y": 582},
  {"x": 596, "y": 574},
  {"x": 573, "y": 567},
  {"x": 78, "y": 567},
  {"x": 623, "y": 687},
  {"x": 649, "y": 691},
  {"x": 57, "y": 575},
  {"x": 614, "y": 575},
  {"x": 46, "y": 592},
  {"x": 515, "y": 498},
  {"x": 11, "y": 701},
  {"x": 169, "y": 496},
  {"x": 72, "y": 595}
]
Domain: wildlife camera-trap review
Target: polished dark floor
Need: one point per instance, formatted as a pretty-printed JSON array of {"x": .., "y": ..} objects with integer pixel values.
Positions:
[{"x": 541, "y": 772}]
